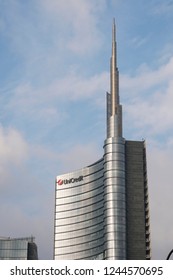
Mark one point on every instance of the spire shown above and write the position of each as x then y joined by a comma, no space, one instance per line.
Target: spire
114,109
114,72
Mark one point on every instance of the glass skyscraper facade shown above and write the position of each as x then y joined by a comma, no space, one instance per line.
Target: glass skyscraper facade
18,249
101,211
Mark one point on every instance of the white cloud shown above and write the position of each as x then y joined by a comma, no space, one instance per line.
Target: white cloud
13,155
81,18
80,87
13,147
45,105
145,78
44,38
51,25
150,99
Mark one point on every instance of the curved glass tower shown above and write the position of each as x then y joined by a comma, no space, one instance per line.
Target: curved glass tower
101,211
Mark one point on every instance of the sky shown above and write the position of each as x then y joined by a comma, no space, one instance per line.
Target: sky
54,73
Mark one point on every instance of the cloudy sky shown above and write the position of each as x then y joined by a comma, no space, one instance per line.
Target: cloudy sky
54,72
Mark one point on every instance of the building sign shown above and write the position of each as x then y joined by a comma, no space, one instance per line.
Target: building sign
69,181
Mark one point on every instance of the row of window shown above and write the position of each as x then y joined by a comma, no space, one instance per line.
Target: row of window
115,204
79,255
117,148
114,164
114,156
108,206
115,214
79,204
79,224
79,216
85,228
78,247
90,236
13,244
71,231
80,211
114,181
81,189
9,253
79,197
80,239
113,173
88,228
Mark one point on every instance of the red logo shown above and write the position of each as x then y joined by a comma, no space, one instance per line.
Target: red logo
60,182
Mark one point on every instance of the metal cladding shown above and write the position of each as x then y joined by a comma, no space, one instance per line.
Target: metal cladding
114,199
95,217
79,215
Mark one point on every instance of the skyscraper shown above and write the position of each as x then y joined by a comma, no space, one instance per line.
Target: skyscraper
101,211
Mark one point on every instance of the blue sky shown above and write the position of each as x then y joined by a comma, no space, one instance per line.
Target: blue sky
54,73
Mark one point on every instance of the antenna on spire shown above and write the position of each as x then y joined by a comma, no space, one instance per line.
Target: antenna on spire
114,72
113,31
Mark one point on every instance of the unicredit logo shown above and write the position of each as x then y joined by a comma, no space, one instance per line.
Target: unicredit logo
69,181
60,182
